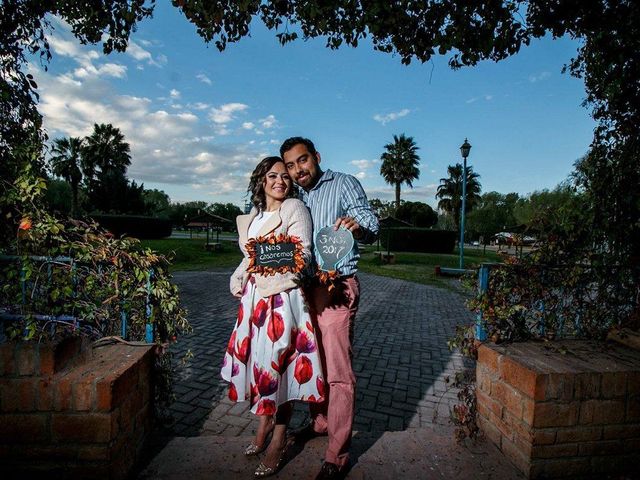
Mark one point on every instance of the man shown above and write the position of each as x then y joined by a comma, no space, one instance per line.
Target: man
334,199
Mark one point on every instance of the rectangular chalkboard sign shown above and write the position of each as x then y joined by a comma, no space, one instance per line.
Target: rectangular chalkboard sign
275,254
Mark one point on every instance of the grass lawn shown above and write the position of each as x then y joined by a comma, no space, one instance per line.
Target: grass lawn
420,267
190,254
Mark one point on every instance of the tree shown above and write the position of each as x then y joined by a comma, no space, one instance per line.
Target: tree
105,158
105,151
493,214
66,161
225,210
400,163
24,29
607,61
417,214
59,197
450,192
156,203
382,208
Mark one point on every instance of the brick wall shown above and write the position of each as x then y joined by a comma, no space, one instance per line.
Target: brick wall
562,409
71,412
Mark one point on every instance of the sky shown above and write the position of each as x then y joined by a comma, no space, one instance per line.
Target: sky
199,120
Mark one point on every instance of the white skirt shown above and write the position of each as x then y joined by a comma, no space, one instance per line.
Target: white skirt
272,355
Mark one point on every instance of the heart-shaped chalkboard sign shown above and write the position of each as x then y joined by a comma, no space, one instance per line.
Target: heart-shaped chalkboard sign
332,246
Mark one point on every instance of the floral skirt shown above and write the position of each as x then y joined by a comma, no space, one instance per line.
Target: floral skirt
272,355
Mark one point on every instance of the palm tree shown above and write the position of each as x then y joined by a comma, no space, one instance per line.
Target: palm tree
66,163
400,163
450,191
105,151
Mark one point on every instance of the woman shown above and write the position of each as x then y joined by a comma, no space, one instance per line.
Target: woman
272,355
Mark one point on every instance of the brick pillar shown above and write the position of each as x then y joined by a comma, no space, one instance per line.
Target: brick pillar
570,408
71,412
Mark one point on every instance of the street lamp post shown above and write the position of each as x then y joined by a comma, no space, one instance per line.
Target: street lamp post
465,148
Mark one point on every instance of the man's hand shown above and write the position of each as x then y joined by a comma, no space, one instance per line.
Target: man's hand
350,224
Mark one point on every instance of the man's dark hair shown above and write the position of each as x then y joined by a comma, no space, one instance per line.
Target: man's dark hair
289,143
256,184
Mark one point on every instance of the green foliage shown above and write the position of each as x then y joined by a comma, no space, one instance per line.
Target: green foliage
156,203
494,213
407,239
107,275
66,156
417,214
381,208
400,163
58,197
450,192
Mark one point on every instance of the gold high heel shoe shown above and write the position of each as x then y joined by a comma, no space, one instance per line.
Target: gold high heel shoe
254,449
264,471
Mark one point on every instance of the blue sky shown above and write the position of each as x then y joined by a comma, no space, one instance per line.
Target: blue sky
199,120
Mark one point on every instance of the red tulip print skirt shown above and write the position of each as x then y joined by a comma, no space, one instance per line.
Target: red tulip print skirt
272,355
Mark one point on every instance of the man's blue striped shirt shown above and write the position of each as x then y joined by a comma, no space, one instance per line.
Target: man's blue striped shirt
340,195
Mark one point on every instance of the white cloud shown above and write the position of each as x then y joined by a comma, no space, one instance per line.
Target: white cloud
174,93
85,57
138,53
141,55
247,125
269,121
204,79
390,117
225,113
361,175
166,147
488,98
539,77
198,106
363,164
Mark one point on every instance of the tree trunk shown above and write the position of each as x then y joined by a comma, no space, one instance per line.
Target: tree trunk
397,196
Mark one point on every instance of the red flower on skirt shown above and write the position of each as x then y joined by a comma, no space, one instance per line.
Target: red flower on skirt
242,350
260,313
275,328
266,407
303,370
231,344
266,383
240,314
304,343
284,359
233,393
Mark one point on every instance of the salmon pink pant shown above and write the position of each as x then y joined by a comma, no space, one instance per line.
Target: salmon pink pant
335,312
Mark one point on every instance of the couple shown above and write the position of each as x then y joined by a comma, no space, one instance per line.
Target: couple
289,342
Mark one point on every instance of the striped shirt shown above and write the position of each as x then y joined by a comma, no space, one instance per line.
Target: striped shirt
340,195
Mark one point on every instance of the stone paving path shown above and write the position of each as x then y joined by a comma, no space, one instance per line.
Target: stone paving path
400,357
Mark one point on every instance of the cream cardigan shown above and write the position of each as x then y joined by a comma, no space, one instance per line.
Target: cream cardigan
292,218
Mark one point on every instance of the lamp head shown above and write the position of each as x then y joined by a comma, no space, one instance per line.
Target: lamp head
465,148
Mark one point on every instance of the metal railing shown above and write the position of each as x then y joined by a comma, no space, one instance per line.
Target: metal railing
557,301
35,301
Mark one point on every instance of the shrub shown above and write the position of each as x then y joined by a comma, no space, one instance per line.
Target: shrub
407,239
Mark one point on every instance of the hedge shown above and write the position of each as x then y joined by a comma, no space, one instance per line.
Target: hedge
412,239
135,226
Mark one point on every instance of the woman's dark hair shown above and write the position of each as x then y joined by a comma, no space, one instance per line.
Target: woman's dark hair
256,184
